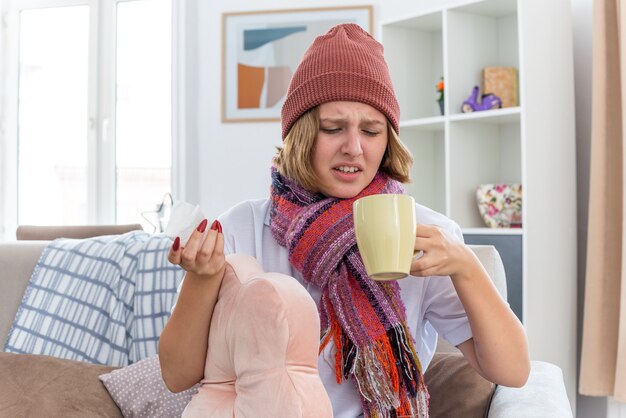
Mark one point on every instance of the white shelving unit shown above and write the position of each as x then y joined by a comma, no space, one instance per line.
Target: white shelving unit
532,144
456,152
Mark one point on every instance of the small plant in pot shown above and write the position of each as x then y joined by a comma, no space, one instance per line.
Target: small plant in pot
440,87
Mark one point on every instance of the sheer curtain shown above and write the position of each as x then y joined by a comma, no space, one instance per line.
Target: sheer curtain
603,359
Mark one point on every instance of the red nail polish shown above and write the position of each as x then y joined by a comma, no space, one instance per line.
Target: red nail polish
202,225
176,244
216,226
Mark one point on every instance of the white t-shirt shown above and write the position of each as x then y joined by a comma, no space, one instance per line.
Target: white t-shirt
432,305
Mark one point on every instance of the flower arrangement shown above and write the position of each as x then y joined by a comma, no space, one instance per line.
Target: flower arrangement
440,87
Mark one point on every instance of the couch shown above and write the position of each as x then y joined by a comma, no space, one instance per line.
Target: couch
46,386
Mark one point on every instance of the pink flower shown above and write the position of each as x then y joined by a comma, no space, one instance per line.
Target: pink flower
492,209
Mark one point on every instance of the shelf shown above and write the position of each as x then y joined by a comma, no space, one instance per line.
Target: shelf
493,8
493,231
524,144
425,22
480,153
435,123
428,174
495,116
479,35
414,52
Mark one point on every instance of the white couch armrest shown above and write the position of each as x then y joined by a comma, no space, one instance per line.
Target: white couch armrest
490,259
543,396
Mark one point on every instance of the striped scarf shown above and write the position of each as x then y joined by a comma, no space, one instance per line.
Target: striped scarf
365,319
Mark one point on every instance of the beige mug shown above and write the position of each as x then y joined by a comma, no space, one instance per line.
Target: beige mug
384,225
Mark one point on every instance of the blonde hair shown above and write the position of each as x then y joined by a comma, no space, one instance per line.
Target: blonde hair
294,159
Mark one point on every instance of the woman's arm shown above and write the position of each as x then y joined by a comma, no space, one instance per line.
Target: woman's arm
499,348
184,340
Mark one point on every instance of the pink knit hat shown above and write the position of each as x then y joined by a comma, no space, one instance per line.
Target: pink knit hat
345,64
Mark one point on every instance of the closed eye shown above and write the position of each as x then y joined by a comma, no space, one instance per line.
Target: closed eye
330,130
372,127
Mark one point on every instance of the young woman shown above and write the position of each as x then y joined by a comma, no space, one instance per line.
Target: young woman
340,132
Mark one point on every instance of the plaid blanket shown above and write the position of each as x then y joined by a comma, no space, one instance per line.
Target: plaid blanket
104,300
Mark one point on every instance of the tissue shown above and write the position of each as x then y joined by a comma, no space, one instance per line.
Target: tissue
184,218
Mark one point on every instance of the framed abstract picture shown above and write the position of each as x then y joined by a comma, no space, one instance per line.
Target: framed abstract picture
261,50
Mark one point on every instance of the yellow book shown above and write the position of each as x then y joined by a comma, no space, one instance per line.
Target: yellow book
502,81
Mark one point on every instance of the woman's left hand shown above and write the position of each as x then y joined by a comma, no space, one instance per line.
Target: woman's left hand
442,255
498,349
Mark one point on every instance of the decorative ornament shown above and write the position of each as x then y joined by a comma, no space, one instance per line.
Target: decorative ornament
487,102
500,205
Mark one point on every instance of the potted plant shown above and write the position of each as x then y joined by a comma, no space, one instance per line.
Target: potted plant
440,87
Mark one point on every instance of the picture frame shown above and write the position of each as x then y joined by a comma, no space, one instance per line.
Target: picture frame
261,50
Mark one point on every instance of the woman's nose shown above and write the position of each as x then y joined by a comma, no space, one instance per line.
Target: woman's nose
352,143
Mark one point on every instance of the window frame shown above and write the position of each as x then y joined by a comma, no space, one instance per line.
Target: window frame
101,98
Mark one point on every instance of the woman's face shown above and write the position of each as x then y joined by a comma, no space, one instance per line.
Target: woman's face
349,147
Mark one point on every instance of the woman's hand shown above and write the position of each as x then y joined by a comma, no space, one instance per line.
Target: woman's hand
442,256
205,259
498,349
184,340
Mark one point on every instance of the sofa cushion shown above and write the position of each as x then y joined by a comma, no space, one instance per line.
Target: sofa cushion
139,391
104,300
42,386
456,389
18,261
263,347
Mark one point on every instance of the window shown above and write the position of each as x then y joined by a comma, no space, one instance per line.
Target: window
52,110
143,134
85,134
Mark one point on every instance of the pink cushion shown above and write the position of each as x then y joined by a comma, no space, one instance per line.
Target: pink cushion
263,349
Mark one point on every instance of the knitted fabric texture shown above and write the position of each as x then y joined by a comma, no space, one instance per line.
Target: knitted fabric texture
365,319
345,64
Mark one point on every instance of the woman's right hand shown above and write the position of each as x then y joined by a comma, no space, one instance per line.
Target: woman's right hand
184,340
205,259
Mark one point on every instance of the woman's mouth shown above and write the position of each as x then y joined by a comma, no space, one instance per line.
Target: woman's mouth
346,169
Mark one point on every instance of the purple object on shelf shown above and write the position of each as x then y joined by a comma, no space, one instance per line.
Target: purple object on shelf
487,101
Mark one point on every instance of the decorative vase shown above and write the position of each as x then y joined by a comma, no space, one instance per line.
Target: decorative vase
500,205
